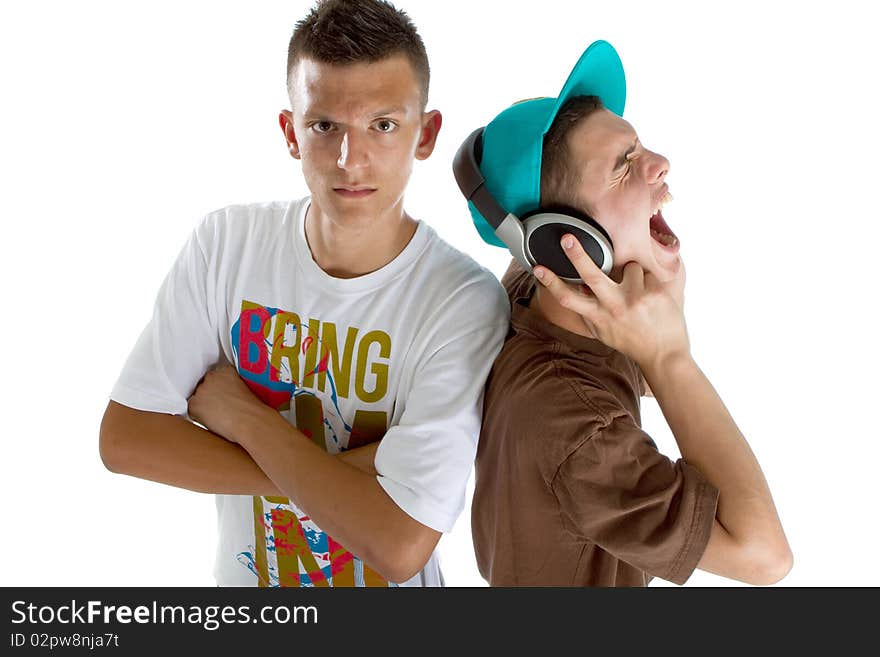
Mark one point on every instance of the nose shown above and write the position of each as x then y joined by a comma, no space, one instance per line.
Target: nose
353,152
656,167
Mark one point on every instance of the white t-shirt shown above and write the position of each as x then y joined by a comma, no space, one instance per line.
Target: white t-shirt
400,354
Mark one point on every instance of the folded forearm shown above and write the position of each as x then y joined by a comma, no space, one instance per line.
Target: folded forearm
362,458
171,450
345,500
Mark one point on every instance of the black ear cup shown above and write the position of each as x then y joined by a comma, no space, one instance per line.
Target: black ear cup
544,229
544,246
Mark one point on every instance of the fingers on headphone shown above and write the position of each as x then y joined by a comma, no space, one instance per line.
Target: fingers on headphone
589,272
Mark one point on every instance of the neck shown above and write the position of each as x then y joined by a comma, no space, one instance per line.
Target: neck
351,249
546,306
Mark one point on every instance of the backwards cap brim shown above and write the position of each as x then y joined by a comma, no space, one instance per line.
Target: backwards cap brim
599,72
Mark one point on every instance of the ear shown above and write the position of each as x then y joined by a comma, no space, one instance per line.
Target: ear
285,119
431,122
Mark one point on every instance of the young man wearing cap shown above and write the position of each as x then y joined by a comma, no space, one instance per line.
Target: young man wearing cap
341,442
569,490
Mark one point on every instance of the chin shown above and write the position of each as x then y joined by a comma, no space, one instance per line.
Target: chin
666,263
347,212
359,219
666,271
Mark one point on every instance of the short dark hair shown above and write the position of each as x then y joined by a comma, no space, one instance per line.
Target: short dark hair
558,176
355,31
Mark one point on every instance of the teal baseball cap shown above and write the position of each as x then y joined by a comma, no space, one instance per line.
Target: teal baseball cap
513,142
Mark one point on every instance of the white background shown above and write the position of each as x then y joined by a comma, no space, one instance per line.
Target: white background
123,123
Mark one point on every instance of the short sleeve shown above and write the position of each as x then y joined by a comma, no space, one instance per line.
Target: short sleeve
425,460
180,343
619,492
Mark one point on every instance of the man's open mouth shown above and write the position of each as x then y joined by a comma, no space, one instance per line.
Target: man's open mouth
660,231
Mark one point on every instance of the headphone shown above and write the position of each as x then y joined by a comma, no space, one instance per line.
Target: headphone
535,238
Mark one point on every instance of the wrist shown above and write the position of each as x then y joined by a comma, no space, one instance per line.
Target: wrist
258,421
666,366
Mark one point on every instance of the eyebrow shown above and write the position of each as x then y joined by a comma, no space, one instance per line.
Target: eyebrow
391,110
319,114
622,159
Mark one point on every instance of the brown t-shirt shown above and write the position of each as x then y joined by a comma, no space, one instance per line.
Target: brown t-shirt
569,490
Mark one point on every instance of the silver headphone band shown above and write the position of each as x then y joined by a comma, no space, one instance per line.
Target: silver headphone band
512,233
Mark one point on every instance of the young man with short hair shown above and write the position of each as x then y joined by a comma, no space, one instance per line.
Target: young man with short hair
569,490
341,441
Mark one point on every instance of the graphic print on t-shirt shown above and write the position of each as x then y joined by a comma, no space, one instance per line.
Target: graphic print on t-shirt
310,372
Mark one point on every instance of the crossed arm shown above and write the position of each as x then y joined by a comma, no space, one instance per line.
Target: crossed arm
261,454
171,450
